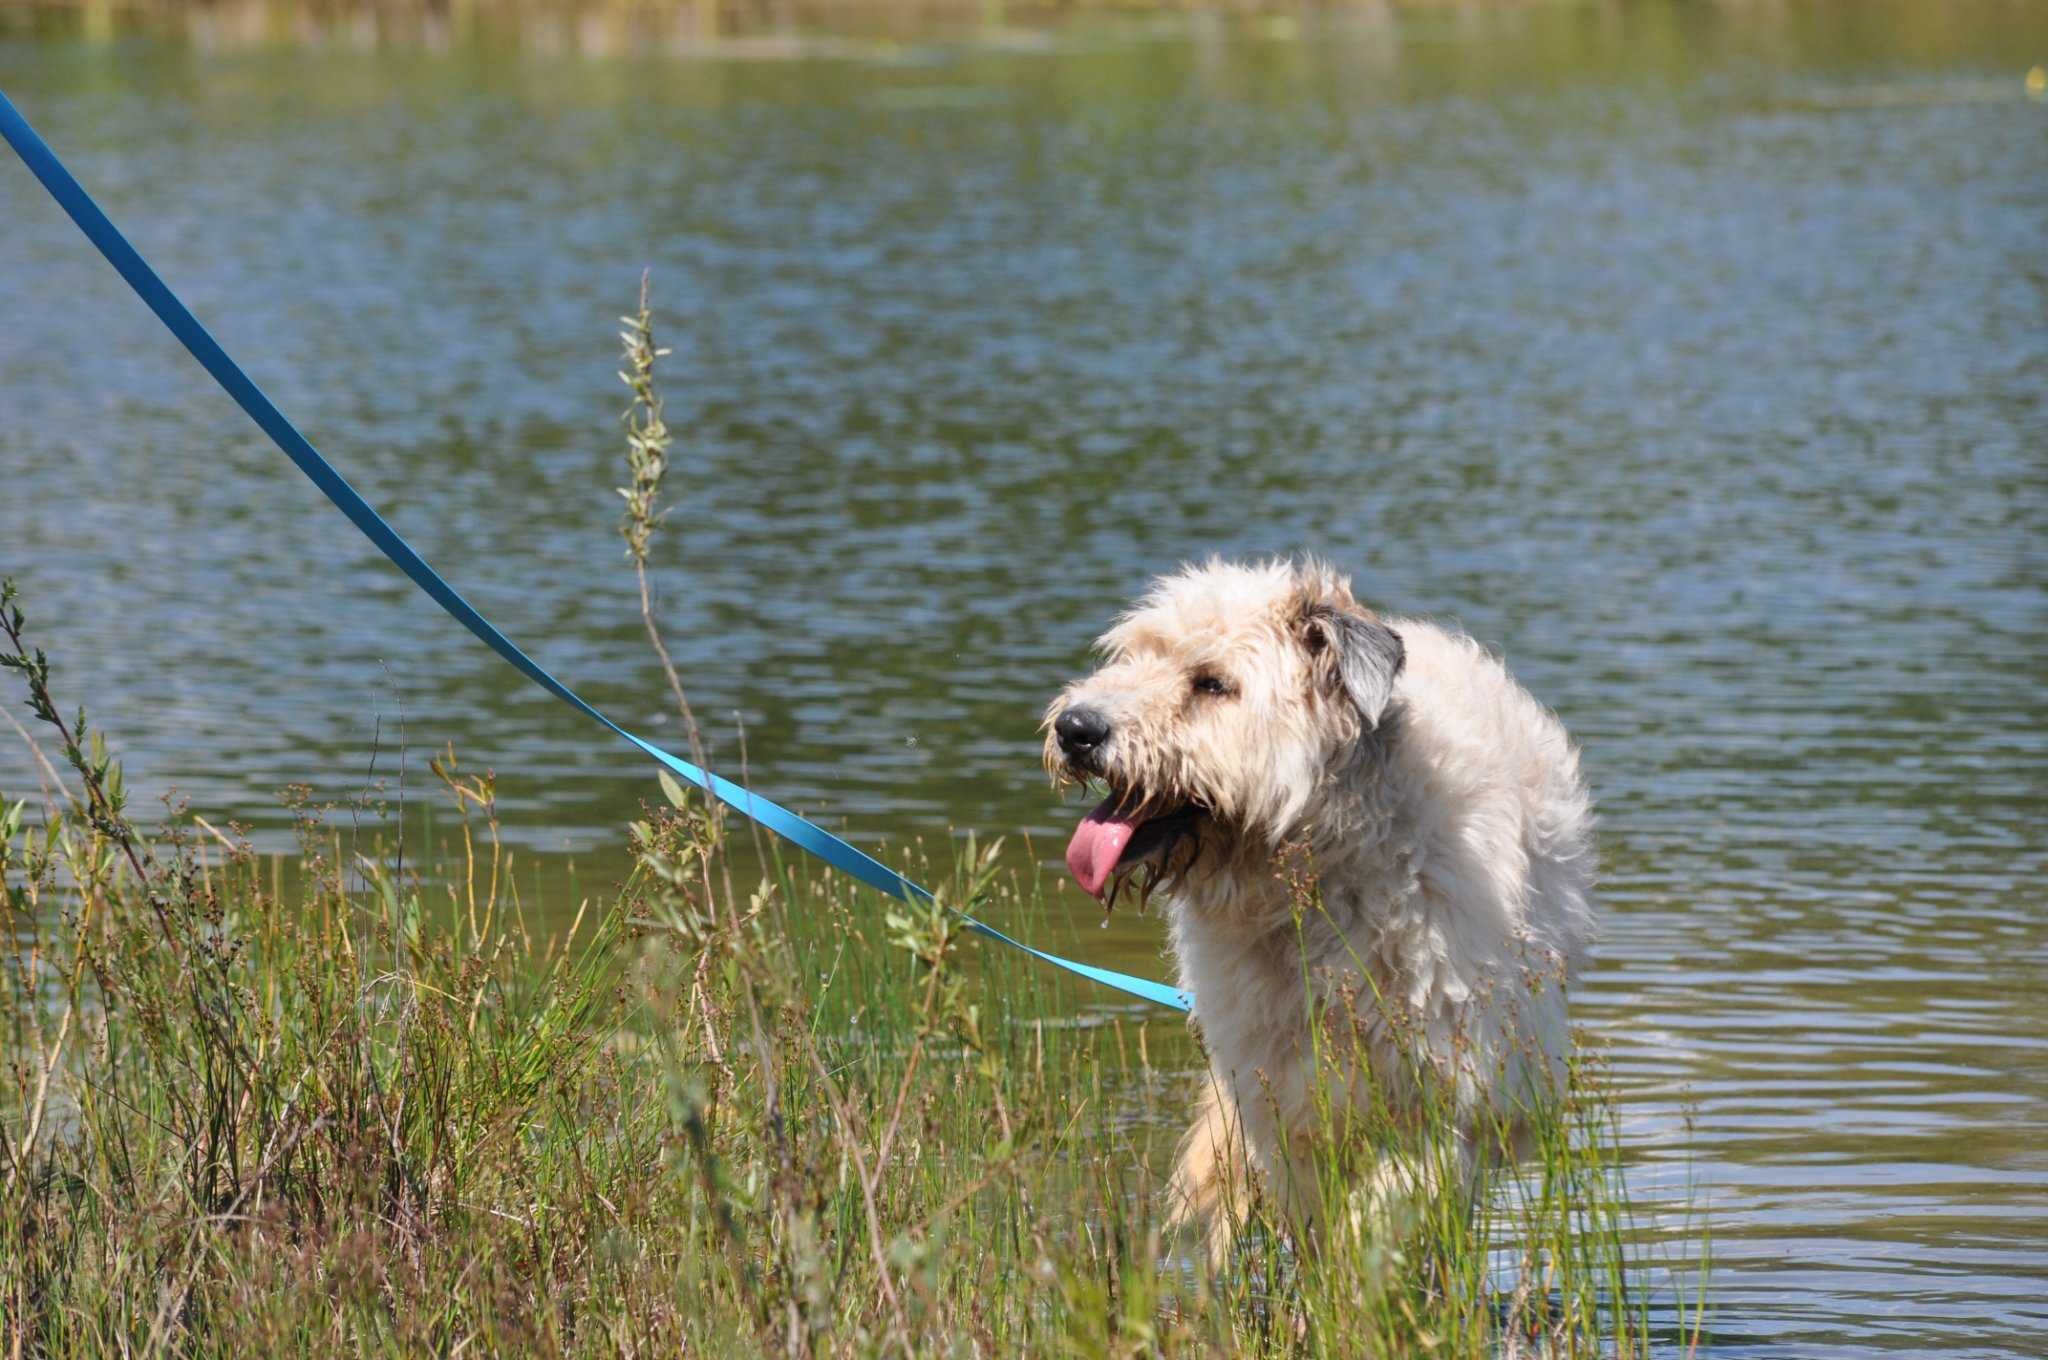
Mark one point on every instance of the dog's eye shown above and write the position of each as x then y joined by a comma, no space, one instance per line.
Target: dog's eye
1211,684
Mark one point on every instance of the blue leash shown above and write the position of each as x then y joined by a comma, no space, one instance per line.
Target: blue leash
43,162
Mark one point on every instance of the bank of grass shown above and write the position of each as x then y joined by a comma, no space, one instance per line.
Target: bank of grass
359,1106
362,1108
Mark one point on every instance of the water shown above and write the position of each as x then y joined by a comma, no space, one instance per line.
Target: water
1696,359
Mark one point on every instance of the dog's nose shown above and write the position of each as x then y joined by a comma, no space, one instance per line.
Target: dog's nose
1081,731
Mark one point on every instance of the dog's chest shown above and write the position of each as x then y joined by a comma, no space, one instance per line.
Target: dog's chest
1283,981
1262,993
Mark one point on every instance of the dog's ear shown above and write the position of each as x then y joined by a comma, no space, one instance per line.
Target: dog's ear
1361,655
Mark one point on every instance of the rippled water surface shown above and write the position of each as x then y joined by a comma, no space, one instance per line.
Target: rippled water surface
1695,358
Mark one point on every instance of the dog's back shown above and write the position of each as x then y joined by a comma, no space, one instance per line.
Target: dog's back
1498,783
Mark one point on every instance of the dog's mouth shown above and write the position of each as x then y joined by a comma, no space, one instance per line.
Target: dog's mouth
1122,834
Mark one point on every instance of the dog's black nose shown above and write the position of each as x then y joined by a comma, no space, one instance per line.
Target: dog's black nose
1081,730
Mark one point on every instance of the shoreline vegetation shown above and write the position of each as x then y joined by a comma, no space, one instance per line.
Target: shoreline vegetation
1498,39
355,1104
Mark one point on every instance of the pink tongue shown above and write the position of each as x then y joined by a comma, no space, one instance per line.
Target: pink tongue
1098,843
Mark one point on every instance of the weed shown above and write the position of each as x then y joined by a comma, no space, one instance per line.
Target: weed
359,1108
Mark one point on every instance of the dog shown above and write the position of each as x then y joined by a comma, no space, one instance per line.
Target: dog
1374,850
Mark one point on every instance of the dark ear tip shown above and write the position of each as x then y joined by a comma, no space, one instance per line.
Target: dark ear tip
1369,654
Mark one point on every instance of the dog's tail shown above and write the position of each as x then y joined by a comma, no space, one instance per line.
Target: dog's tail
1212,1184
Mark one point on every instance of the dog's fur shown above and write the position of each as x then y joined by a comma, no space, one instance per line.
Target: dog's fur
1375,819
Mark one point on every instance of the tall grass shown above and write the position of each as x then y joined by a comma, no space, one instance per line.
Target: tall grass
359,1106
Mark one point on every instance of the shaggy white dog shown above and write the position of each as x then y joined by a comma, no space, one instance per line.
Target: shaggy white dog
1375,853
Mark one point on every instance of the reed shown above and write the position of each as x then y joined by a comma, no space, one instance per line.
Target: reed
353,1103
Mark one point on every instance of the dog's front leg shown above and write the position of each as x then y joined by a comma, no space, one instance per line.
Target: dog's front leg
1211,1186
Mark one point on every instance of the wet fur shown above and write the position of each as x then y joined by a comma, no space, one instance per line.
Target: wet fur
1434,805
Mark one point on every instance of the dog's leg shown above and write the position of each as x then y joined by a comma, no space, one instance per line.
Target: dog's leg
1211,1186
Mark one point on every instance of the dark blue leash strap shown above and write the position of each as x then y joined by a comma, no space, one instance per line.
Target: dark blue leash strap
70,196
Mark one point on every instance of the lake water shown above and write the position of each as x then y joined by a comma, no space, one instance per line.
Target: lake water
1695,357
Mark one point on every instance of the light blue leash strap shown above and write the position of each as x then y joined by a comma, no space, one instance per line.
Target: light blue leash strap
43,162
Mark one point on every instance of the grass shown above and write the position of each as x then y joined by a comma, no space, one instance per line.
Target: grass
358,1106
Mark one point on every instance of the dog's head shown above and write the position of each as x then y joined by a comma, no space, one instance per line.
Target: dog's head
1225,698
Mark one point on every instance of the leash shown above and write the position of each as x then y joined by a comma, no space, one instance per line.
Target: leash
805,835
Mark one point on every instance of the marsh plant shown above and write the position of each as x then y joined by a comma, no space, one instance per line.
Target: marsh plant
353,1102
